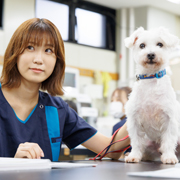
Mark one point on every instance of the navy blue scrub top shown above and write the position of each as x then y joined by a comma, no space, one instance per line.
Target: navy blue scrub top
51,122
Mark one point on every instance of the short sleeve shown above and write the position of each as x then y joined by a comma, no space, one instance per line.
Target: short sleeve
76,130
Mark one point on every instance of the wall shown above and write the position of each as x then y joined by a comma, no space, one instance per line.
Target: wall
157,17
178,26
15,12
1,42
141,17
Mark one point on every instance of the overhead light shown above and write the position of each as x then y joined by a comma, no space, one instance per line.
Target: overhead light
174,1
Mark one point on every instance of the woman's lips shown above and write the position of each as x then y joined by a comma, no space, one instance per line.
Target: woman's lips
36,70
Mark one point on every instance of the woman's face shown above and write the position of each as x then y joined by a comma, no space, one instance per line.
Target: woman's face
36,63
120,96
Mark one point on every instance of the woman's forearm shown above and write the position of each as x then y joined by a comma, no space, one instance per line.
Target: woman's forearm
99,141
119,145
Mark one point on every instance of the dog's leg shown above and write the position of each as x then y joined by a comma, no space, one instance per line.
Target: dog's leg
169,141
137,142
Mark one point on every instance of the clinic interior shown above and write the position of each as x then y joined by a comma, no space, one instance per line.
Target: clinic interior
93,32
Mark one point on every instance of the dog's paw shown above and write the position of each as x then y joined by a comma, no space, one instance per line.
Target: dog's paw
169,158
133,159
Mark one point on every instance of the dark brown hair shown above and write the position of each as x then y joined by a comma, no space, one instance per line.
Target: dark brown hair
126,89
36,30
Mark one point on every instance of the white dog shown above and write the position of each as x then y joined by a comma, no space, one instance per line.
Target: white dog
153,113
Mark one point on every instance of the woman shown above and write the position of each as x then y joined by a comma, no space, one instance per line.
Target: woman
117,106
118,100
33,123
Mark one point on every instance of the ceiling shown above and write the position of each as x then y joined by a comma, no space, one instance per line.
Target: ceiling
162,4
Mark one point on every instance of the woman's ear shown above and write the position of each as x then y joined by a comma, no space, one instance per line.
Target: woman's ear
131,40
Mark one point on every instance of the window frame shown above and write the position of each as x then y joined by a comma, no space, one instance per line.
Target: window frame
1,13
110,23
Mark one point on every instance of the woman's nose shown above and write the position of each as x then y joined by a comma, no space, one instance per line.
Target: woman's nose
38,58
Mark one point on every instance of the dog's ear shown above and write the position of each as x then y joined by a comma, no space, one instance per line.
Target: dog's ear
170,40
131,40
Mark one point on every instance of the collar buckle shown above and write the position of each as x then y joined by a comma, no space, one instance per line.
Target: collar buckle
137,78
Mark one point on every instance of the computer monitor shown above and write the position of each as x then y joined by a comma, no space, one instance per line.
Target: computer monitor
71,82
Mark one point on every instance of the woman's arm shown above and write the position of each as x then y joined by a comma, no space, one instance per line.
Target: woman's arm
98,142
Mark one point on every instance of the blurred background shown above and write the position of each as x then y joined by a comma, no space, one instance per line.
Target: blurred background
93,32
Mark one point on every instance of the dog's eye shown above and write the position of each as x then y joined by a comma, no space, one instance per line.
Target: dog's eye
160,44
142,46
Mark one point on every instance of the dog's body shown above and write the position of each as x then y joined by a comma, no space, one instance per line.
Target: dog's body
153,113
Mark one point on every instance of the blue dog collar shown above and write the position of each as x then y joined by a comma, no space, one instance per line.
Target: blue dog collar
158,75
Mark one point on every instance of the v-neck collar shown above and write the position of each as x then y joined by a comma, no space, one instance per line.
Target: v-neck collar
5,100
27,117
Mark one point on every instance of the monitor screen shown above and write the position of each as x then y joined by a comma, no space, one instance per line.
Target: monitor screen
70,79
71,82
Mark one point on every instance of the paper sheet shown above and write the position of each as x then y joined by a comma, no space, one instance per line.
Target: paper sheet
55,165
7,164
173,172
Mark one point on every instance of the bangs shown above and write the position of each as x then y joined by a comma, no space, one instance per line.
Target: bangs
38,33
39,37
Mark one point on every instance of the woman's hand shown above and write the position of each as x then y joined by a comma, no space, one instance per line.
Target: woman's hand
29,150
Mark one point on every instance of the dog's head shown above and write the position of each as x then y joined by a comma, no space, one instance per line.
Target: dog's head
151,48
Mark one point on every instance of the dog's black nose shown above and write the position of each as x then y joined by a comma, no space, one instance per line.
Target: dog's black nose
151,56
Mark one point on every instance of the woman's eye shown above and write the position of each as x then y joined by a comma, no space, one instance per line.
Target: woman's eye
142,46
30,47
49,50
160,44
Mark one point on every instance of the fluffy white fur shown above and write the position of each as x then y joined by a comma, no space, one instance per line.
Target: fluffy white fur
153,113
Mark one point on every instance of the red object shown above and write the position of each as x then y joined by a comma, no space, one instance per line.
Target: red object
107,148
120,56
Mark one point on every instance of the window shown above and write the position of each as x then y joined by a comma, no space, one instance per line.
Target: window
90,28
80,21
57,13
1,13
